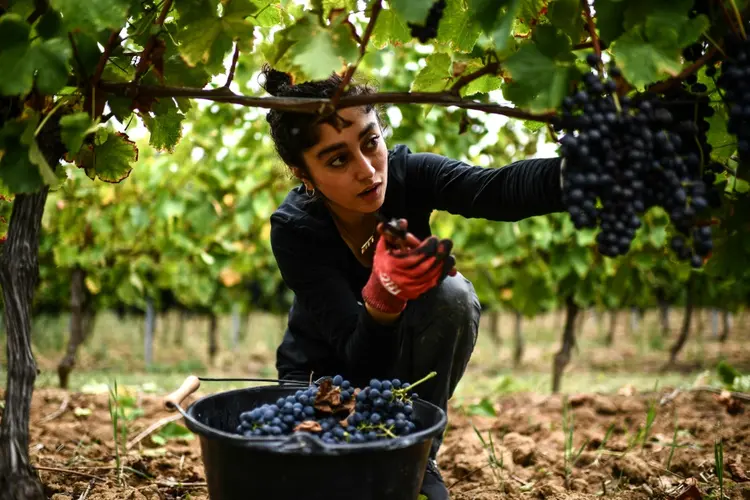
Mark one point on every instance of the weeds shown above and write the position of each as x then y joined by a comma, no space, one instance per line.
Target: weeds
719,465
570,456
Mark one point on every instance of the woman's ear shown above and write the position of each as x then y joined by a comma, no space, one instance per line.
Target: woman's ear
299,174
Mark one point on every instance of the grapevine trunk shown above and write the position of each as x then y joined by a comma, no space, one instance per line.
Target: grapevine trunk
19,270
562,358
79,325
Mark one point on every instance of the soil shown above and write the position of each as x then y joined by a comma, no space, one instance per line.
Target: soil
72,446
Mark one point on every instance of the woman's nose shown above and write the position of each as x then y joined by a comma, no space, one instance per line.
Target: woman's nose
365,169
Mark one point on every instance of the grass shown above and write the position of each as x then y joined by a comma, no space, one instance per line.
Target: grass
115,351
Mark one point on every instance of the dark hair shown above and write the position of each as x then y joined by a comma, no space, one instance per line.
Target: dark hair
292,132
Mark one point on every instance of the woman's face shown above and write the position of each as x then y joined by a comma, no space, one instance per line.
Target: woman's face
350,167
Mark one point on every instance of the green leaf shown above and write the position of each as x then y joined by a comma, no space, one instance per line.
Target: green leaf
502,33
165,128
14,45
539,82
486,12
319,51
94,16
74,128
268,15
389,29
531,9
20,59
610,19
482,85
565,15
484,409
49,59
435,76
642,62
457,28
412,11
17,172
197,40
553,43
111,160
50,24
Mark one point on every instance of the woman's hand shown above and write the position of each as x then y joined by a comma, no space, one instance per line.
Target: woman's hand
405,272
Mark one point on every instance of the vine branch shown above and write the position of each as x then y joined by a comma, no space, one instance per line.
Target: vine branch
233,67
489,69
592,29
376,8
104,58
40,8
145,60
318,105
693,68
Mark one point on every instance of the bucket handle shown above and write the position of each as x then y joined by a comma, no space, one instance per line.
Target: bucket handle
191,384
174,400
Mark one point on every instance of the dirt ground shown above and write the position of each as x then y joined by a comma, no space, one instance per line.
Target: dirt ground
72,446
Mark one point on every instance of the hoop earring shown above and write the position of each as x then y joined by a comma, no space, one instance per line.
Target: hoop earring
308,193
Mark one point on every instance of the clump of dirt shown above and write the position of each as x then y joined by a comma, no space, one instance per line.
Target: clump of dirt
613,454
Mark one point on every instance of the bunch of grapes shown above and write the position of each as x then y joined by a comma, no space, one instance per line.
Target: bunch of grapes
429,30
337,412
735,82
630,155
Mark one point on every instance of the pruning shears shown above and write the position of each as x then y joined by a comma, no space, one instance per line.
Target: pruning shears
401,236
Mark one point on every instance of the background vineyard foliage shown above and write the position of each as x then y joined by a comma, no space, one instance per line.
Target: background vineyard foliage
186,223
190,225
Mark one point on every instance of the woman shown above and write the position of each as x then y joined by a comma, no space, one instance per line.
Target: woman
361,308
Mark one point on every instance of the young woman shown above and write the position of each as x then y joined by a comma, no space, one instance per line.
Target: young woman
363,309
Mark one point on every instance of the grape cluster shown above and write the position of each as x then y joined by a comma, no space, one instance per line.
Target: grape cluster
695,51
625,156
735,83
429,30
337,412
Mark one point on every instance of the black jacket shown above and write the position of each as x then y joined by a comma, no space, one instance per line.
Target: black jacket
329,331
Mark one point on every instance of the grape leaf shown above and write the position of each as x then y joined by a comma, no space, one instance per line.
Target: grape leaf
553,43
74,128
610,19
482,85
49,59
17,172
268,15
566,16
111,160
435,76
20,59
165,127
319,51
412,11
642,62
389,29
50,24
486,12
531,9
539,82
457,28
502,33
94,16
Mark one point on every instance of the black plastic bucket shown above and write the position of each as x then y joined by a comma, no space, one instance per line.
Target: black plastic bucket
301,466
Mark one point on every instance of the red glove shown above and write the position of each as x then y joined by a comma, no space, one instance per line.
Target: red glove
402,274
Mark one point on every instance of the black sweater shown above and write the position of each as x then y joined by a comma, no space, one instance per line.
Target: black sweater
329,330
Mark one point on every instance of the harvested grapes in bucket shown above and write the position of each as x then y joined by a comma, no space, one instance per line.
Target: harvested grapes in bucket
339,413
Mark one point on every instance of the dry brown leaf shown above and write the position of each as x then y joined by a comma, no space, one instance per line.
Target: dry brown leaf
309,426
689,491
737,472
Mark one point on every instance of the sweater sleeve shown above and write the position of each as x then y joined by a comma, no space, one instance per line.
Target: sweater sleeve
324,293
525,188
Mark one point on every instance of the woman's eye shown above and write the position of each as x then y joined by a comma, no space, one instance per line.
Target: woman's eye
374,141
337,161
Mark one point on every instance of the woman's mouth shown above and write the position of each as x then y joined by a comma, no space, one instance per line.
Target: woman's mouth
371,192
